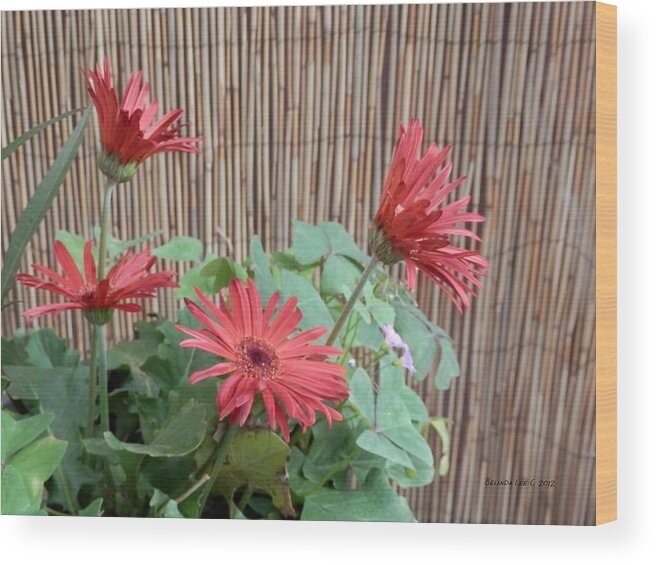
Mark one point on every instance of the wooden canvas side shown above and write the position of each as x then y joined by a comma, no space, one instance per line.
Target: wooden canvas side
606,262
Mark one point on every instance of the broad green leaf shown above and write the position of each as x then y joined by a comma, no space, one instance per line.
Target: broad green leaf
310,243
13,350
299,484
263,278
171,475
224,271
257,459
421,475
330,447
47,350
448,368
337,272
180,248
36,463
39,204
382,312
362,394
164,506
369,335
133,353
183,433
364,462
409,438
117,247
315,312
341,242
94,509
16,498
418,336
393,421
378,444
21,140
16,434
376,501
414,404
63,392
192,279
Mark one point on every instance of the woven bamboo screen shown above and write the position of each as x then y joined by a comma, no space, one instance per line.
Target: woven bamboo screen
299,109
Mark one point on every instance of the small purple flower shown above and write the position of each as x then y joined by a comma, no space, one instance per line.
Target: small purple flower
393,340
352,363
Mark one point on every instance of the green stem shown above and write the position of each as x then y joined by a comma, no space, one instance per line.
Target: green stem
104,229
186,494
220,457
102,379
352,301
99,331
244,499
93,380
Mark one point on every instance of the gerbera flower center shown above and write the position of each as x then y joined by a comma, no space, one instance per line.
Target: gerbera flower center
258,358
87,293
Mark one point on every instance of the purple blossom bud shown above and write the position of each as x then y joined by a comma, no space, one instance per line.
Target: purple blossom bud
393,340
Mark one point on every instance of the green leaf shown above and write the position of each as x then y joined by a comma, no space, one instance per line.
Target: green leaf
16,499
13,350
117,247
224,271
369,335
47,350
21,140
16,434
180,248
257,459
376,501
419,338
414,404
263,278
378,444
63,392
337,272
441,427
422,474
362,394
330,447
180,435
36,463
165,506
448,368
192,279
310,243
39,204
315,311
94,509
341,242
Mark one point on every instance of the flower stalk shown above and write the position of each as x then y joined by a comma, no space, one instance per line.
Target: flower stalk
104,228
93,381
219,459
352,301
99,329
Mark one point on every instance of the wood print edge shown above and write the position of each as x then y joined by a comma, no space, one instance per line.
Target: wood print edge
606,262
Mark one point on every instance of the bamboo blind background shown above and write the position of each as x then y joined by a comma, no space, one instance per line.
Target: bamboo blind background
299,109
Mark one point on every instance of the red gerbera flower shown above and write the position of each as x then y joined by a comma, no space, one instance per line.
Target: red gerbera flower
414,225
127,131
291,375
128,278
